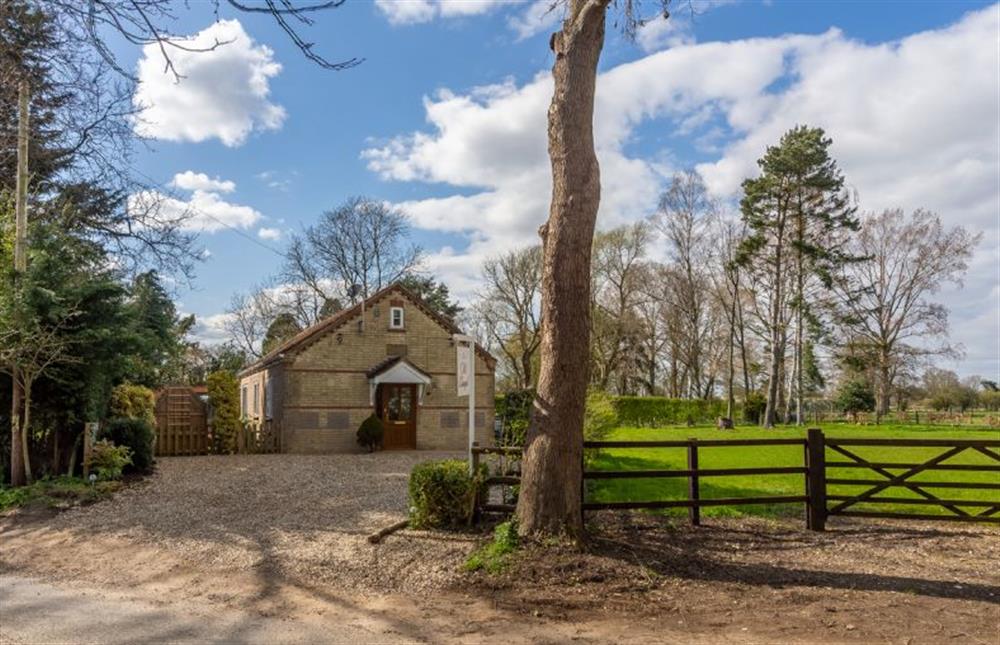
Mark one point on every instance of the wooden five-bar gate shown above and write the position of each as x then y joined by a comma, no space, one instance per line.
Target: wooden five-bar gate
819,504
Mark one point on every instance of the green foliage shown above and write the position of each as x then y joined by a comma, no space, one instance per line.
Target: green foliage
855,396
495,556
434,294
136,434
656,411
990,400
158,332
513,410
130,401
443,493
224,396
56,492
371,433
108,460
282,328
753,407
600,416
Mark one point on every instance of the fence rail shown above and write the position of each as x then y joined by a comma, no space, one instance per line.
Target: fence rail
819,504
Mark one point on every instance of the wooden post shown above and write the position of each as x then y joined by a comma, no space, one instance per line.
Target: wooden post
694,512
89,433
815,480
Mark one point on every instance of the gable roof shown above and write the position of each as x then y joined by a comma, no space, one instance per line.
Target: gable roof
311,334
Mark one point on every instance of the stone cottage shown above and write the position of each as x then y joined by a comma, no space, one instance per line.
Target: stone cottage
390,355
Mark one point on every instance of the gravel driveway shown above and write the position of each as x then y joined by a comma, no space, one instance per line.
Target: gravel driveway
300,517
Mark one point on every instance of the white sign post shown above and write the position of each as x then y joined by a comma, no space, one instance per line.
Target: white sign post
465,373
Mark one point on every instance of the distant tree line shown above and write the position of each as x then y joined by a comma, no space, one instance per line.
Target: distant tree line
794,298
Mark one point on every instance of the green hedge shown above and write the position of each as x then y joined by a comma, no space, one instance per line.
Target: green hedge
655,411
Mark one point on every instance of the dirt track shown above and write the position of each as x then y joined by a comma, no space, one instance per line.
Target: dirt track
254,540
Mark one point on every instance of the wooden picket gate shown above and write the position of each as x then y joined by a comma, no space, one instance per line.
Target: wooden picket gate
181,422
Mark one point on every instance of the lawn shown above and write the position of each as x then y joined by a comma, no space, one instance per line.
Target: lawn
765,456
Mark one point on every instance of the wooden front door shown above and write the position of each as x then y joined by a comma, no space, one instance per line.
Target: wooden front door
397,407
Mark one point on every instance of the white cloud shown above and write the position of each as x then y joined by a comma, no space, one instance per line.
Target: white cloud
211,330
202,212
914,124
191,180
540,16
404,12
223,93
266,233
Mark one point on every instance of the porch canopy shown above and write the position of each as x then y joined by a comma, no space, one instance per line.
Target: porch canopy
396,369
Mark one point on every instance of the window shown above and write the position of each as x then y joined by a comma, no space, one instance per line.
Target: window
396,318
243,401
256,398
268,393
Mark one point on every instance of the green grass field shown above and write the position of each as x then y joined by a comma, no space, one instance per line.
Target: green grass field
765,456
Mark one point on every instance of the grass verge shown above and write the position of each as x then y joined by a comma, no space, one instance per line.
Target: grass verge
494,556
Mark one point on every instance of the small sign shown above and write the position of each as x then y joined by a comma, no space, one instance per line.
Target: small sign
464,368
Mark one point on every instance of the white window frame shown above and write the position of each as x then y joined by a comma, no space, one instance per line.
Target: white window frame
268,392
392,318
244,402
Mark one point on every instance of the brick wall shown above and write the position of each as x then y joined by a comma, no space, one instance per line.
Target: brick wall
326,396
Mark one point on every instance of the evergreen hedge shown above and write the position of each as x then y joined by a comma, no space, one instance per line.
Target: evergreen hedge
442,493
655,411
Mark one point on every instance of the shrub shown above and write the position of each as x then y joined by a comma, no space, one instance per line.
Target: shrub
513,410
753,407
224,396
136,434
855,396
371,432
494,556
107,460
130,401
443,493
599,417
655,411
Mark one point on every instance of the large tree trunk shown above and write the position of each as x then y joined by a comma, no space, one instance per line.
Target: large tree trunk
552,473
17,463
884,386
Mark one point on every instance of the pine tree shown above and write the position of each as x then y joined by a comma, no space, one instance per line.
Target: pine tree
797,215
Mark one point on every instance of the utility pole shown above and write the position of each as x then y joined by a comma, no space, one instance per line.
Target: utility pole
17,446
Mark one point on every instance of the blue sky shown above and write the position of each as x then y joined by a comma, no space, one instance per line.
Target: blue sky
445,117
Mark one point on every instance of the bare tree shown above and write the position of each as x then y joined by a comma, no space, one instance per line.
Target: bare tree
683,217
363,242
508,310
616,291
28,350
885,298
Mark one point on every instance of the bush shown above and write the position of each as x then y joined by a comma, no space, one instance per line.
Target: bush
656,411
138,436
131,401
599,417
224,397
855,396
513,410
443,493
753,407
370,433
107,460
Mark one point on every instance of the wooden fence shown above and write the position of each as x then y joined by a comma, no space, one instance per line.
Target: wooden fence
259,438
181,422
818,504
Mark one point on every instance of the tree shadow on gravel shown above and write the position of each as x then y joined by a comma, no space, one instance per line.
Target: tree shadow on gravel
759,556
